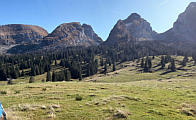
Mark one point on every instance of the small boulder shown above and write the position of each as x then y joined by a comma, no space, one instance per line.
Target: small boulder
121,114
43,107
56,106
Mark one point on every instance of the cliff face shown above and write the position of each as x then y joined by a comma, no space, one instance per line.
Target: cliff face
183,33
19,34
73,34
185,25
133,28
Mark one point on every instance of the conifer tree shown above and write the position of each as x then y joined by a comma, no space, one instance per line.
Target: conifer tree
105,68
22,73
3,76
114,66
54,77
67,75
162,62
101,62
48,77
142,63
185,60
172,66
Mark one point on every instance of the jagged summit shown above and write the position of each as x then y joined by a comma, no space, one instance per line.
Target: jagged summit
19,33
183,33
73,34
192,4
133,16
135,26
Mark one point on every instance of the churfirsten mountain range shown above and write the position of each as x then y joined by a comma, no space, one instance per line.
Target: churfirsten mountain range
134,28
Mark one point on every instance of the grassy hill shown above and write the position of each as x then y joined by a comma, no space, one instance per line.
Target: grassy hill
127,93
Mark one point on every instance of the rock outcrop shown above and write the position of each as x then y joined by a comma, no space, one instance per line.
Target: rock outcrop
19,34
183,33
133,28
73,34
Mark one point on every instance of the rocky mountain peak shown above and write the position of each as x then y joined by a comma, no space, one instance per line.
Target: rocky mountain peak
88,30
73,34
19,33
132,17
185,26
134,26
192,5
182,35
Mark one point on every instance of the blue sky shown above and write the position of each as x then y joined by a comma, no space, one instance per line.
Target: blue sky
102,15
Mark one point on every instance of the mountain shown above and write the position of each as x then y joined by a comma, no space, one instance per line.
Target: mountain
133,28
19,34
183,33
72,34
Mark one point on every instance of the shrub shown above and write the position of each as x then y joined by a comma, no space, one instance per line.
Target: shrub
3,92
78,97
44,89
31,80
17,91
10,82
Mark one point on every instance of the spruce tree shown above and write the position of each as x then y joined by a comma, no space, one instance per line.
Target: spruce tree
114,66
3,76
48,77
142,63
185,60
67,75
22,73
105,68
162,62
101,62
54,77
173,66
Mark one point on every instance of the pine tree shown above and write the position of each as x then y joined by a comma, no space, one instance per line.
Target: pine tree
33,72
3,76
80,72
142,63
147,64
22,73
48,77
185,60
80,76
101,62
54,77
162,62
55,62
67,75
105,68
114,66
173,66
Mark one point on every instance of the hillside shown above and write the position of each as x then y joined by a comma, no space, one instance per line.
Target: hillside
126,93
19,34
65,35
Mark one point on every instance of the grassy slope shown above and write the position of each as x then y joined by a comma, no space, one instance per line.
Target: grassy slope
150,98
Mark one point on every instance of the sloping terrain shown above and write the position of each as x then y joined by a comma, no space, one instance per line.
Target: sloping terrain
127,93
19,34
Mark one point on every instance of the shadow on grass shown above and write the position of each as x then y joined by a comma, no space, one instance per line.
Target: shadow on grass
164,73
